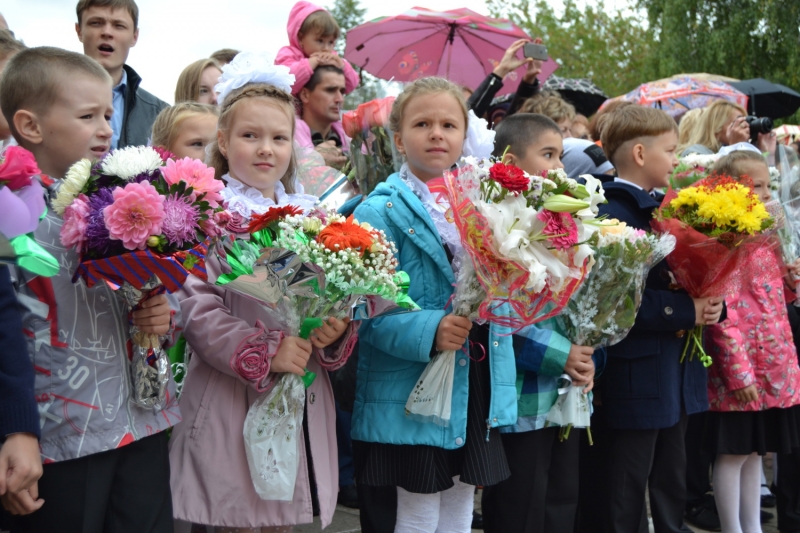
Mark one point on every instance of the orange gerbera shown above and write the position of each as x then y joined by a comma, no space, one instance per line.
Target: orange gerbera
272,215
347,234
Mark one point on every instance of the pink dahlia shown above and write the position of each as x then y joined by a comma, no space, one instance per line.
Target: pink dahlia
136,214
197,176
180,220
76,220
559,228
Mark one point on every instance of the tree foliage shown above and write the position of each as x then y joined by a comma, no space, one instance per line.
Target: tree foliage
737,38
610,49
349,14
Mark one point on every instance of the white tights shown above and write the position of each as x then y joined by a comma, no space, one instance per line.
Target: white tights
449,511
737,491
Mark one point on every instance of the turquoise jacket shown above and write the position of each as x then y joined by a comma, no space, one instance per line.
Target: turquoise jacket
395,348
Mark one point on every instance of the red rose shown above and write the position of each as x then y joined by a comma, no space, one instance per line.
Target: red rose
509,177
17,168
352,123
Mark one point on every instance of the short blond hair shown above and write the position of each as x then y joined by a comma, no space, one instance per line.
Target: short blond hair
261,91
168,122
422,86
550,105
730,165
319,22
188,87
32,79
129,5
633,122
711,123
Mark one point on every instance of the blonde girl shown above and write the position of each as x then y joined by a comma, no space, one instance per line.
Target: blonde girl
239,349
197,81
434,468
186,129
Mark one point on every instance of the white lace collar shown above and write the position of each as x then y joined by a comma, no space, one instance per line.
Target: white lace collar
436,208
246,200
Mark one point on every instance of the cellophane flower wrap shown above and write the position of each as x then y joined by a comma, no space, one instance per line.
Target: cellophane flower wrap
523,240
785,209
22,207
140,221
718,223
602,311
301,269
372,157
691,169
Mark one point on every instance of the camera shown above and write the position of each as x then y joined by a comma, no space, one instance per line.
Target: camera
758,125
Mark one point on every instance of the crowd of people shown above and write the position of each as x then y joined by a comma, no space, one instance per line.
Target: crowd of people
78,456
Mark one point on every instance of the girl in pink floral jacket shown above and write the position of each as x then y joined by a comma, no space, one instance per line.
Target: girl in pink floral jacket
754,382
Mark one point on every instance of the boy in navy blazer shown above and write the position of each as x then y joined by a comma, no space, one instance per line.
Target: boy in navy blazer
645,390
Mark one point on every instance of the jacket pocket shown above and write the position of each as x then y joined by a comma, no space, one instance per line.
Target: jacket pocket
205,401
633,378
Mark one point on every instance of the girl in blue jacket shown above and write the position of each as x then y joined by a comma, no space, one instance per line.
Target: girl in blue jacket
434,468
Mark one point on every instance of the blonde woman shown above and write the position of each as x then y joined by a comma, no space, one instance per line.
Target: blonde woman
196,82
723,123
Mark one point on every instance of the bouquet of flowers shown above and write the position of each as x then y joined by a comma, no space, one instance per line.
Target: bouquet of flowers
603,310
691,169
302,269
372,157
523,241
717,222
140,221
22,205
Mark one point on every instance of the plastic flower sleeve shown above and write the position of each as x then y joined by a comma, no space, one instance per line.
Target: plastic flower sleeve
432,396
573,408
786,211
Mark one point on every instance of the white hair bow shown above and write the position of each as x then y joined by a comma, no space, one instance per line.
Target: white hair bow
252,67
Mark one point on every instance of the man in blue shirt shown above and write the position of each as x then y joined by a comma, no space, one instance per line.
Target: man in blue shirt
108,30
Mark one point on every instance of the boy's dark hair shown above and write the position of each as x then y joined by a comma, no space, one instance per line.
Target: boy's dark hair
130,5
632,122
729,165
224,56
520,131
32,79
316,78
9,44
319,22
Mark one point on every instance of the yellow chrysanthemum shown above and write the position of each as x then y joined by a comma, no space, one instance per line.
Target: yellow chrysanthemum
728,205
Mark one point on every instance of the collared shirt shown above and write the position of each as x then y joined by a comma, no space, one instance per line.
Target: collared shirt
620,180
119,108
318,139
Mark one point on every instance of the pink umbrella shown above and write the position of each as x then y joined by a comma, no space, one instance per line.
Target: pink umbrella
459,45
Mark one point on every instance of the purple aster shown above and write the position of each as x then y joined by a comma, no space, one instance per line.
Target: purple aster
96,232
180,223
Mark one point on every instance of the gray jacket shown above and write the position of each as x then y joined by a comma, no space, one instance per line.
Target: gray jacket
141,110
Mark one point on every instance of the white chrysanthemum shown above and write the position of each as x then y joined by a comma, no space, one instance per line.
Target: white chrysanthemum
129,162
72,185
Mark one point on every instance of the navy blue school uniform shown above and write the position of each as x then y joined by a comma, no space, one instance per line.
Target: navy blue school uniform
644,385
647,393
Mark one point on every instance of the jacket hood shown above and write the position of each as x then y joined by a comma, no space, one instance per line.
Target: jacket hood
297,16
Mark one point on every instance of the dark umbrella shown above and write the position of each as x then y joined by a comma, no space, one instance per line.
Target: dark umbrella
767,99
580,92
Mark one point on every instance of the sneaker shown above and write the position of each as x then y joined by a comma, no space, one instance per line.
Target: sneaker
348,497
477,520
704,516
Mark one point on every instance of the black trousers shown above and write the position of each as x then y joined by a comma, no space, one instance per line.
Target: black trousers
642,458
119,491
698,461
378,508
788,491
542,492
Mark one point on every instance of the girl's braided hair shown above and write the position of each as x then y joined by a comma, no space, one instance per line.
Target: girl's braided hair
252,90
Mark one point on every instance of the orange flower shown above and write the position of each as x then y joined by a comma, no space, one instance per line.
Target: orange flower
347,234
352,122
272,215
376,112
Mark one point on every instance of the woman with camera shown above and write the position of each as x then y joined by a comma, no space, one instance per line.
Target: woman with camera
724,123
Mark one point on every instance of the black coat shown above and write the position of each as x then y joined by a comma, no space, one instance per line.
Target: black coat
644,385
141,110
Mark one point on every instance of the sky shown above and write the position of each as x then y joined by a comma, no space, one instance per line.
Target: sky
174,33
